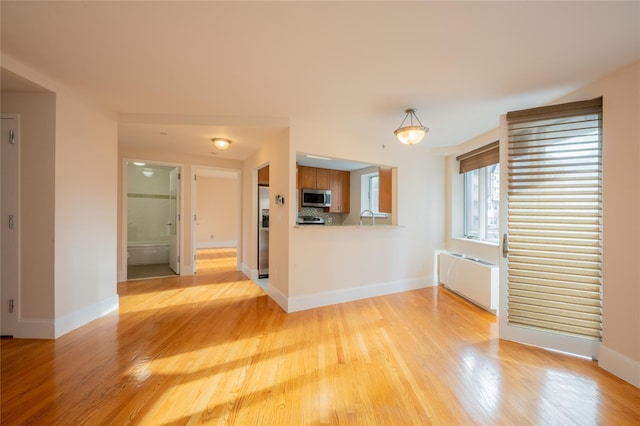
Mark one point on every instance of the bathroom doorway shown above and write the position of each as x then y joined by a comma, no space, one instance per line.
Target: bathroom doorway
153,231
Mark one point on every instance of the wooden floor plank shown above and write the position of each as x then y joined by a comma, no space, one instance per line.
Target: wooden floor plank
215,349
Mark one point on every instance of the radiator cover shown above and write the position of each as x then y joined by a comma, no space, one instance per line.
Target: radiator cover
473,279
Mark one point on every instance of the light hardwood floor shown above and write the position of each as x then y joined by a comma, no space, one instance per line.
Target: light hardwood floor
215,349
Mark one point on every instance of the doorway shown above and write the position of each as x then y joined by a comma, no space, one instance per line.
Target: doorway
263,227
152,211
216,204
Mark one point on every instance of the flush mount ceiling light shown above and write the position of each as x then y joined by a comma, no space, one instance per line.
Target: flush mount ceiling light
221,143
147,172
412,133
317,157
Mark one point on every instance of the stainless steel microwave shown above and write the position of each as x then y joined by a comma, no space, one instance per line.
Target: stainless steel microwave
316,197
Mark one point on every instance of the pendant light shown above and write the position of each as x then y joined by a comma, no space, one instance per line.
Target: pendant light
412,133
221,143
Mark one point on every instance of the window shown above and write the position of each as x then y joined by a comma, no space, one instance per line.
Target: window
482,198
481,193
554,261
370,190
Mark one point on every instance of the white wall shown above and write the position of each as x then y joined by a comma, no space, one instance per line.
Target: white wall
218,213
37,203
334,264
84,217
620,350
276,154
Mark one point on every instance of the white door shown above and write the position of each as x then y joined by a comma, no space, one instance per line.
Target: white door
10,158
174,220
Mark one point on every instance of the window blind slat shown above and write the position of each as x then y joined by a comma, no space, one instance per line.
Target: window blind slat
554,277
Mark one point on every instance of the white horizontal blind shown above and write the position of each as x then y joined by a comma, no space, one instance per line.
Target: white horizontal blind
555,219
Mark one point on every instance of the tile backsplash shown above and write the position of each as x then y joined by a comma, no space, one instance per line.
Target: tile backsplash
329,218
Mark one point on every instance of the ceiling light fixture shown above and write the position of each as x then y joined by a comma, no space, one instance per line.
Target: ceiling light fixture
221,143
147,172
139,163
317,157
412,133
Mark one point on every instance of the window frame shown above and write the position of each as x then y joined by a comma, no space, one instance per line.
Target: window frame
484,189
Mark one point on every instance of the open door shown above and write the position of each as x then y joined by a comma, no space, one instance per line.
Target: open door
174,220
9,157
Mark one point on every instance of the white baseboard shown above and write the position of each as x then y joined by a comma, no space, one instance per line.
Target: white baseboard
219,244
84,315
277,296
251,273
620,365
315,300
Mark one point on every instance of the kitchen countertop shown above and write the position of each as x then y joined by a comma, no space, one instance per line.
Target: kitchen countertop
331,226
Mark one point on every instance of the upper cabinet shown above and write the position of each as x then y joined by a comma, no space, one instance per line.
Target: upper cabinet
263,176
384,190
340,185
312,177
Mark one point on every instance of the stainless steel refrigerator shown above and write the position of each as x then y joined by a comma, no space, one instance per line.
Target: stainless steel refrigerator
263,231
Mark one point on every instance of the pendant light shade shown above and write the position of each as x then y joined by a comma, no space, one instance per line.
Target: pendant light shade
221,143
412,133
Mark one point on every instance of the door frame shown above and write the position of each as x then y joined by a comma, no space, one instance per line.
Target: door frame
10,321
194,211
124,213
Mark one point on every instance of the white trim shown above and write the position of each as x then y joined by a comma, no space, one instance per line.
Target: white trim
620,365
545,339
475,241
85,315
219,244
251,273
277,296
315,300
52,329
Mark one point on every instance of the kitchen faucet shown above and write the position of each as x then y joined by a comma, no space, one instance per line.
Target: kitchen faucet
373,216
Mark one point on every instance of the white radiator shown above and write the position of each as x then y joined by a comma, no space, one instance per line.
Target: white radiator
474,279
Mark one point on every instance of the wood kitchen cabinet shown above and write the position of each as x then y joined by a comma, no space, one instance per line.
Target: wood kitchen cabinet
322,179
384,190
313,177
340,186
263,176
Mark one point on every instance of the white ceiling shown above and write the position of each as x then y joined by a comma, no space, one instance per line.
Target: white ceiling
244,70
